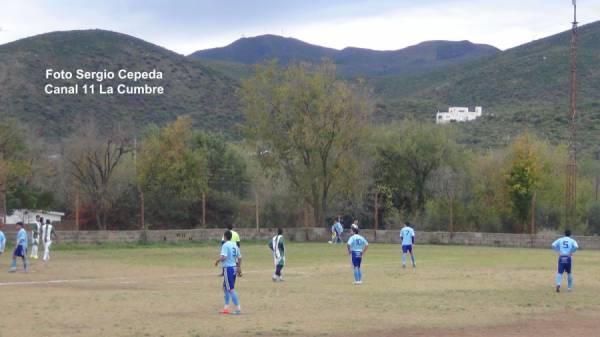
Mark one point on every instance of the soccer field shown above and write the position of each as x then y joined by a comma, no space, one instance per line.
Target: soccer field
175,291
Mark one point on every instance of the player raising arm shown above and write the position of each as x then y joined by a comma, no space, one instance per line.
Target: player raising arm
357,247
230,258
565,247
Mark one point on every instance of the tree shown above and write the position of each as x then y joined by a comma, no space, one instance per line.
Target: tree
522,180
93,160
226,169
172,169
446,183
308,125
13,165
407,155
593,215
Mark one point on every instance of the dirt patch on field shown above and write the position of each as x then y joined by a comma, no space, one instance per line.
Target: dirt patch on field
558,324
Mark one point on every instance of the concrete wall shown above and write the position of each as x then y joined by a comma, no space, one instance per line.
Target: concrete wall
316,234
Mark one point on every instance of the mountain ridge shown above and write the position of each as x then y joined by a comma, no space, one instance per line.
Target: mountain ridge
351,61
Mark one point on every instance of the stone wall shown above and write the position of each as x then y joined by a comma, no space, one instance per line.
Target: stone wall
316,234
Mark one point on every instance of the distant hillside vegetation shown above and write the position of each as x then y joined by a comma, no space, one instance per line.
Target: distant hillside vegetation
190,87
351,61
527,86
523,87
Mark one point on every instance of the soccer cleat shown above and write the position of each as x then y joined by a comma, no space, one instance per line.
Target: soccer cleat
236,312
403,266
224,312
280,278
358,282
12,270
557,289
569,289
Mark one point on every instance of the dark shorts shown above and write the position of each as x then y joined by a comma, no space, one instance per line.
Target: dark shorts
406,248
229,278
356,259
20,251
564,264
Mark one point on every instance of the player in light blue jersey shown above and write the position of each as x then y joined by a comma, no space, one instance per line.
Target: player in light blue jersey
565,247
20,248
231,262
407,235
2,242
338,230
357,247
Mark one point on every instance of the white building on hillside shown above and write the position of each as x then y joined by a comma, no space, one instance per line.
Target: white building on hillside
457,114
27,216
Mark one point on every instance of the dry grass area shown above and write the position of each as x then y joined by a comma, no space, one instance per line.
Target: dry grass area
175,291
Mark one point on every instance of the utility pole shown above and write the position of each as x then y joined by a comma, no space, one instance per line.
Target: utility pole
203,209
532,226
376,215
77,200
256,211
597,184
571,185
139,187
3,203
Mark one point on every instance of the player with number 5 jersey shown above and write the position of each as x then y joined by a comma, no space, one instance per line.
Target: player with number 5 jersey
565,247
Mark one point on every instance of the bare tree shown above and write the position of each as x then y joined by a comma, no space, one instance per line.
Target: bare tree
446,183
93,159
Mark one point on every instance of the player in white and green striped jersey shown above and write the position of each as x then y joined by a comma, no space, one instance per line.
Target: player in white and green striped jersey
277,246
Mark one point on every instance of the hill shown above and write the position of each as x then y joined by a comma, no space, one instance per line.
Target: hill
190,86
523,87
526,86
350,61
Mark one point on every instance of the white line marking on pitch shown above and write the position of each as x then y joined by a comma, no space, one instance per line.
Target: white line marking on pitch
123,280
129,280
60,281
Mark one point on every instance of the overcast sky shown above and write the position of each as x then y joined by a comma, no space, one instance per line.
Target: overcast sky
189,25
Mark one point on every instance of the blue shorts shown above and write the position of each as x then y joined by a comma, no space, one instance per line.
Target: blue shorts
20,251
356,259
229,278
406,248
564,264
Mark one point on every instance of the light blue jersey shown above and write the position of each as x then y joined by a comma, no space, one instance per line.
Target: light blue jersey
22,238
565,246
357,243
407,234
338,227
2,242
231,252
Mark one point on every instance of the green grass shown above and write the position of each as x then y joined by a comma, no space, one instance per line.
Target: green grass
154,290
